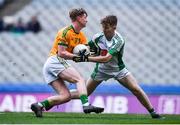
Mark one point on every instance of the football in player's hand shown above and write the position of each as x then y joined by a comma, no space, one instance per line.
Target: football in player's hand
81,48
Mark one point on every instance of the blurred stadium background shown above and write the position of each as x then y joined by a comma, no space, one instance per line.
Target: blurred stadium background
150,27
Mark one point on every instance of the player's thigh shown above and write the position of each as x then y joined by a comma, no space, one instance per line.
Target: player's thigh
52,67
71,75
129,82
60,87
91,85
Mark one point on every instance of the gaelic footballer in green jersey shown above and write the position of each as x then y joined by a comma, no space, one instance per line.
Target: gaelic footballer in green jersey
109,46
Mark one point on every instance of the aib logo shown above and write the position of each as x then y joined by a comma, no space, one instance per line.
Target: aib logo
169,104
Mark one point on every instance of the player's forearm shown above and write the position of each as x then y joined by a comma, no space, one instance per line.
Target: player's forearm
101,59
66,55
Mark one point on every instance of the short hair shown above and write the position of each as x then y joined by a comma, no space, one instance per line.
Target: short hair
74,13
109,20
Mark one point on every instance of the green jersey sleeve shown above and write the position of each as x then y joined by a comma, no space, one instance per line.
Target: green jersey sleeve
118,46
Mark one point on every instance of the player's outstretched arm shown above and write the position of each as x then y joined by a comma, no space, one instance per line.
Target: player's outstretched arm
87,58
101,59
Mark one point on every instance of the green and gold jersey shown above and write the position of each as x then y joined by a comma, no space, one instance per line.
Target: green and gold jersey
69,38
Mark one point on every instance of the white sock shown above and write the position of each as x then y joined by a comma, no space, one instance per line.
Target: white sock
40,104
86,104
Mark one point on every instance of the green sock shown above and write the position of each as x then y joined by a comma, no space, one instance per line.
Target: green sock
84,100
45,104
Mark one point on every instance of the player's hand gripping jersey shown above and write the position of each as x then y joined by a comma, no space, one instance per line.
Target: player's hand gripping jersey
69,38
115,47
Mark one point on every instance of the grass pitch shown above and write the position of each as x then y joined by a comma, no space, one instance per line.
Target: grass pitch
80,118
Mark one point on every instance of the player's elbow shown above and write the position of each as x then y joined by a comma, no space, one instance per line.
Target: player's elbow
62,54
106,58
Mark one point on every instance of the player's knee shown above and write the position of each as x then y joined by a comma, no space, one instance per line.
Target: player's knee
67,97
74,80
78,80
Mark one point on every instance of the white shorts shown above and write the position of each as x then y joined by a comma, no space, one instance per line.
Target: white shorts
52,67
100,76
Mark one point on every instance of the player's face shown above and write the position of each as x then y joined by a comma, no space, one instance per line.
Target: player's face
82,20
109,31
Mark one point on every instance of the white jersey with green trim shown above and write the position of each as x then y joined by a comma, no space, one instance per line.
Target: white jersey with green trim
115,47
